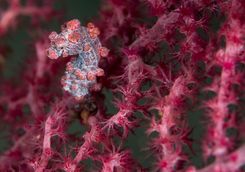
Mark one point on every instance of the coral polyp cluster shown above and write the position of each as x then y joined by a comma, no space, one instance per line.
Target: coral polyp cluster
81,71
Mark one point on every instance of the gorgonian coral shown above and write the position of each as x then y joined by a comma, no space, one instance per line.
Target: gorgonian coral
168,96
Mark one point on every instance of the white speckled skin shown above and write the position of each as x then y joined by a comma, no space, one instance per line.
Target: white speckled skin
85,63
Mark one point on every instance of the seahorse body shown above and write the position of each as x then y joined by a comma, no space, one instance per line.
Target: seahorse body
81,72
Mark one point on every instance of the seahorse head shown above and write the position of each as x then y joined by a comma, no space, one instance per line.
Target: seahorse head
68,42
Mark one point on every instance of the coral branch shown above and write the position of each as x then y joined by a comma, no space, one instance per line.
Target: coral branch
8,18
164,24
231,162
227,58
